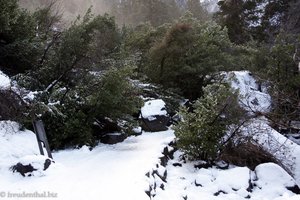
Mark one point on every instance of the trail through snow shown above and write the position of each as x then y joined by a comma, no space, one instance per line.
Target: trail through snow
108,172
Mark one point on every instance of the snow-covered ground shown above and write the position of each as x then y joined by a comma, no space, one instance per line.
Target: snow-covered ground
107,172
184,181
113,172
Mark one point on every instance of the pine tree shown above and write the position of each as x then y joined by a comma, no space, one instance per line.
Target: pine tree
188,52
17,32
231,16
252,19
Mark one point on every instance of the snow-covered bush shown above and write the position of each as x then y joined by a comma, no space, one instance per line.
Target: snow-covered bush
69,122
201,132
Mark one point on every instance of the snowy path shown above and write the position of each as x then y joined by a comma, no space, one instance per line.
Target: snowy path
109,172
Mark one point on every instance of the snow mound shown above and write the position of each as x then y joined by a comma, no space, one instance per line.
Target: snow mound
37,163
266,172
153,108
15,144
4,81
253,97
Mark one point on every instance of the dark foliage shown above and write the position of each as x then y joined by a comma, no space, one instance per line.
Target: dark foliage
247,154
12,106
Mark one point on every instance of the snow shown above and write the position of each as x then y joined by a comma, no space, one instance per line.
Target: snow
15,144
107,172
31,95
278,145
269,180
217,184
265,174
258,128
250,97
152,108
4,81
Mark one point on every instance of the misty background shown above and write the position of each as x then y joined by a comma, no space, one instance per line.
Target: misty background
70,9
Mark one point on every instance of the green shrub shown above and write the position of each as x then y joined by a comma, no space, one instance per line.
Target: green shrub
73,129
200,132
114,96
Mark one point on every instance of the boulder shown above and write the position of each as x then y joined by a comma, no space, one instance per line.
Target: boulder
154,116
137,131
24,170
113,138
265,176
155,123
30,165
104,126
107,131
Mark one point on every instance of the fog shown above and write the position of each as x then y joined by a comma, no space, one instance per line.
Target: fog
70,8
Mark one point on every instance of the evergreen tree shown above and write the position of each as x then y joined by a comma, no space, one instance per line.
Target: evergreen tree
231,16
273,19
188,52
78,72
17,32
252,19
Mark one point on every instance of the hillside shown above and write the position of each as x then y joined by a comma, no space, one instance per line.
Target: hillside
134,169
159,99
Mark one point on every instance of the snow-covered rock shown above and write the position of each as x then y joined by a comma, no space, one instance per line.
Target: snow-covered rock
15,144
154,116
253,97
153,108
113,138
4,81
32,165
271,174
